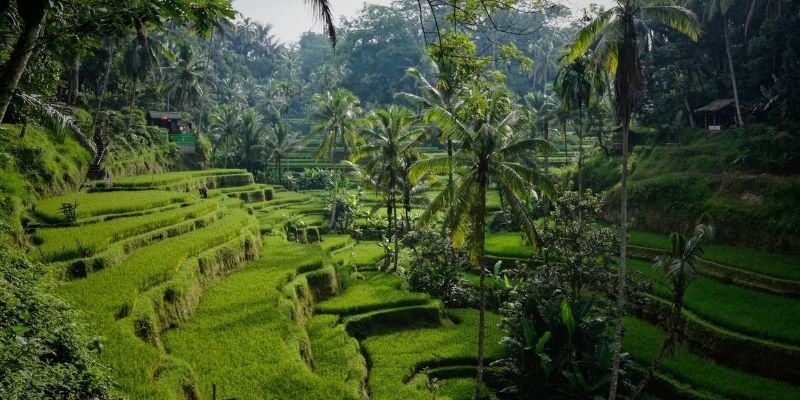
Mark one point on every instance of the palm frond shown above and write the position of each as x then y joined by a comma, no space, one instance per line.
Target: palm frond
521,148
53,119
429,166
678,18
588,35
322,10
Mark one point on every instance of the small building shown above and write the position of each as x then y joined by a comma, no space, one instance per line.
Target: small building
719,114
180,133
169,120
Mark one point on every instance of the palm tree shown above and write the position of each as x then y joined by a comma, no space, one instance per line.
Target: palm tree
110,47
184,78
575,84
250,138
224,123
281,142
721,8
541,109
680,268
139,61
391,137
220,25
613,35
544,67
335,117
489,153
443,96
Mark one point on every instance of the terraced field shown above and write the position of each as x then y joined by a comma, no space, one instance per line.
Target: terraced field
740,325
194,298
200,297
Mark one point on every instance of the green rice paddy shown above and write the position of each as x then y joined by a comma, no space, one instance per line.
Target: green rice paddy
317,321
104,203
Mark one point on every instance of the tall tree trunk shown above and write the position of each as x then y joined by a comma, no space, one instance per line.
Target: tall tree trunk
450,161
740,121
33,13
564,128
407,209
480,230
688,112
579,131
669,340
389,201
133,104
623,249
103,88
396,236
334,206
74,82
200,118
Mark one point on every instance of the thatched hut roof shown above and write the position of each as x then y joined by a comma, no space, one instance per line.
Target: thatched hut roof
164,114
716,105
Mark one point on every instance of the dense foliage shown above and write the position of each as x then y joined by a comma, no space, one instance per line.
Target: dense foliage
43,354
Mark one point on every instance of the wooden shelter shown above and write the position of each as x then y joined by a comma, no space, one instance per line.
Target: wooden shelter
180,133
169,120
718,115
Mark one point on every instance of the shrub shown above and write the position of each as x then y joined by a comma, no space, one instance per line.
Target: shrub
556,349
43,354
437,268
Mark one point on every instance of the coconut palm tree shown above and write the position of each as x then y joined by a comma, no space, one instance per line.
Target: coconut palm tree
541,109
280,143
139,61
612,34
443,96
575,83
680,269
335,117
489,153
391,137
720,8
545,67
184,77
224,123
250,138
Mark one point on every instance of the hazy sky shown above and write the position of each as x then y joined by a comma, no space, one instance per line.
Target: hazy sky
290,18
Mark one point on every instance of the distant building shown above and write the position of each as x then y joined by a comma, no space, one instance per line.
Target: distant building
169,120
719,114
180,133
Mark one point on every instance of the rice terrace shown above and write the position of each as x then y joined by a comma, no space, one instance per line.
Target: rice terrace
399,199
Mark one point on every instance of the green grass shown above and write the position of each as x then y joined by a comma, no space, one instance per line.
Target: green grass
336,355
739,309
642,340
243,337
335,242
507,244
459,389
102,296
80,241
395,357
104,203
167,178
364,255
377,290
785,266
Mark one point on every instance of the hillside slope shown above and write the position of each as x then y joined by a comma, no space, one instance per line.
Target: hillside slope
746,180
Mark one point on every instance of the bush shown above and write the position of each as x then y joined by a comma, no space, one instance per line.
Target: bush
556,349
42,352
437,268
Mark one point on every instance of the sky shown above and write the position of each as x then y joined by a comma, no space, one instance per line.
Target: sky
290,18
